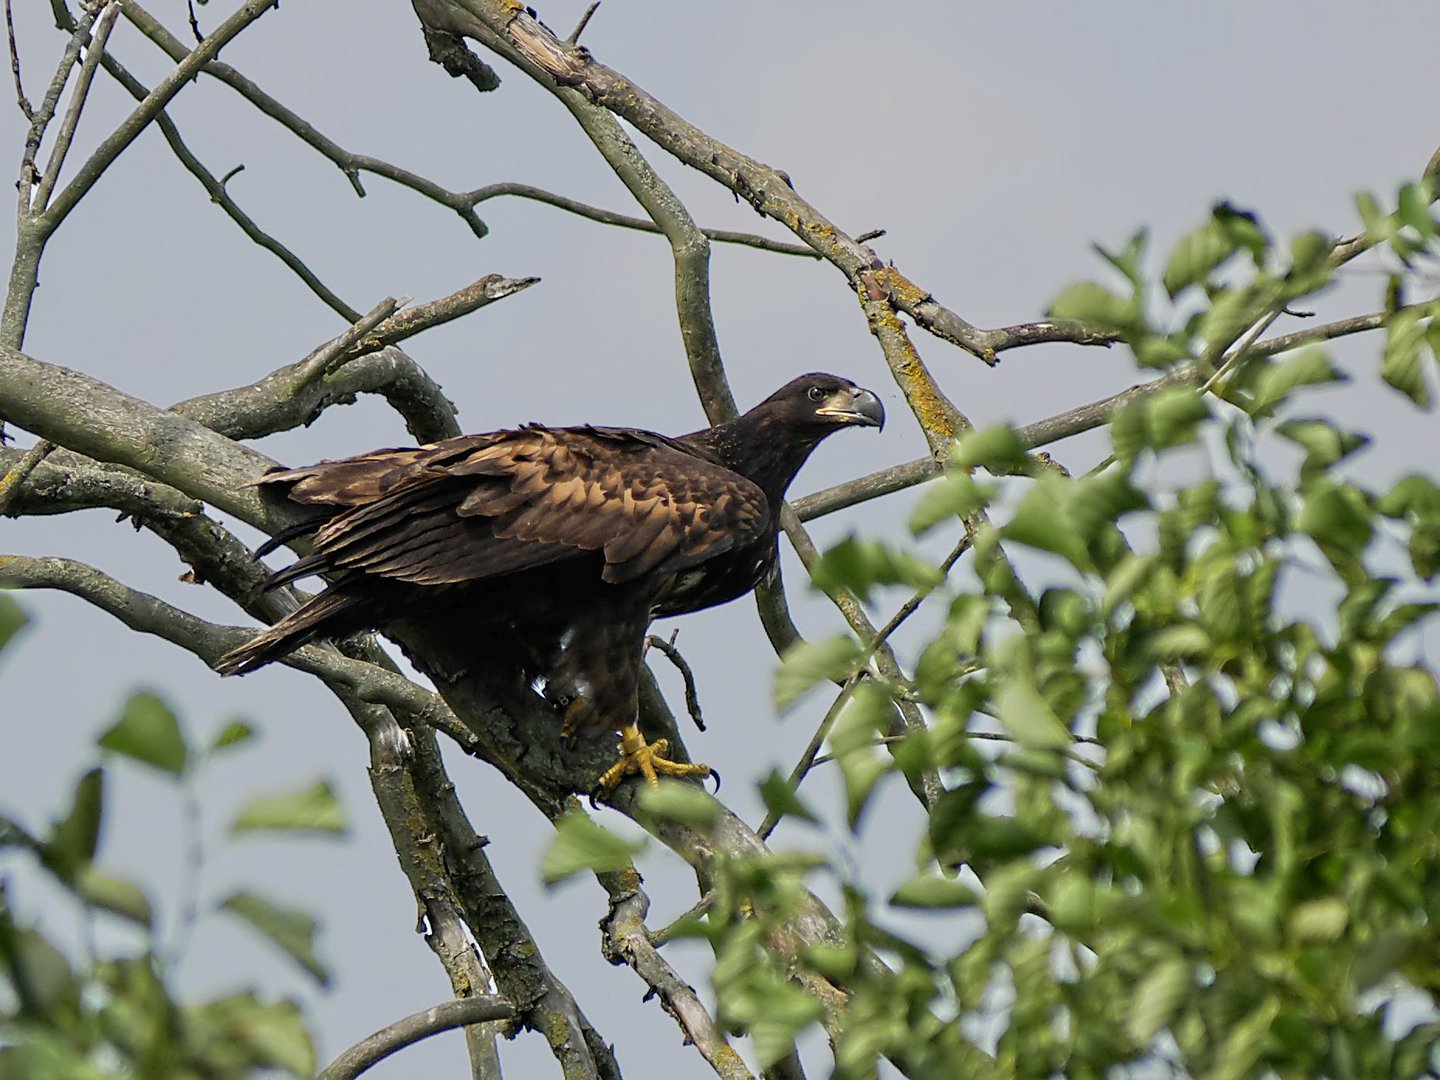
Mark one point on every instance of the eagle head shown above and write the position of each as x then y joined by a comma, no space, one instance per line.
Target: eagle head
827,402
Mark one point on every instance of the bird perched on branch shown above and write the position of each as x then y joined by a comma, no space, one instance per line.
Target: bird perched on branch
558,544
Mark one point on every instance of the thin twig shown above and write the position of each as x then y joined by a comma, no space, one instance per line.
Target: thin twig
13,480
519,36
584,22
692,695
463,203
45,112
807,759
446,1016
626,221
130,128
20,97
94,50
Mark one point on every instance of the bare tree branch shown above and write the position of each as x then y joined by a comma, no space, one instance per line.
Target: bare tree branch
209,641
626,941
13,479
26,109
446,1016
129,129
520,37
451,53
449,939
94,50
625,221
462,202
297,393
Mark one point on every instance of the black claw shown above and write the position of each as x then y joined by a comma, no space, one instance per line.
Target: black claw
716,775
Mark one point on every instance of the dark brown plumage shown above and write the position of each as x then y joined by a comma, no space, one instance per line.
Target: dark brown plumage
563,542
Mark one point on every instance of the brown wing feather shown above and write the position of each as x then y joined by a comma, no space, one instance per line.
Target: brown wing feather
481,506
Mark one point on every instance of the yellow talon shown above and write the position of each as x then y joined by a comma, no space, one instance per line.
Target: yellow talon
647,759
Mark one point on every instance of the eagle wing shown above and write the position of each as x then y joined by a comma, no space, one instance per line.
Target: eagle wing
483,506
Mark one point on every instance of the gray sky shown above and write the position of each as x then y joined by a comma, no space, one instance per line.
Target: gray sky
993,142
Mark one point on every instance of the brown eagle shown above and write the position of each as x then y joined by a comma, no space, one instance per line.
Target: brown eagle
561,544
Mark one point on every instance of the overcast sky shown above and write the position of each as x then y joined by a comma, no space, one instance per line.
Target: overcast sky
994,142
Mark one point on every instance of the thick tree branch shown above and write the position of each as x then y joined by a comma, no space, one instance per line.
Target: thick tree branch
450,940
147,614
297,393
446,1016
521,974
512,727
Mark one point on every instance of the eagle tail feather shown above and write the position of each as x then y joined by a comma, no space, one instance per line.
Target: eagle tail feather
331,614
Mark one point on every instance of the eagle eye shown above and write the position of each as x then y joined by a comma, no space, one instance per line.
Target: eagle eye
815,393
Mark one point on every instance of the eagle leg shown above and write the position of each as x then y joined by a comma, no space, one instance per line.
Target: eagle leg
646,759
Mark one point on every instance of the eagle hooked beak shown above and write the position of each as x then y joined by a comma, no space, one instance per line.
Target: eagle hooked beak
854,406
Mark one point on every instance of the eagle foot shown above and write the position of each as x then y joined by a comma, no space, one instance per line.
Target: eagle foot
647,760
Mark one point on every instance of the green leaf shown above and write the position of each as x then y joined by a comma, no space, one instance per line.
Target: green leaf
808,663
1156,997
954,495
313,809
933,891
292,930
12,619
74,839
1093,303
861,565
782,800
235,733
1403,366
1027,717
1042,520
1324,443
1128,261
115,895
1023,711
1319,920
999,450
1308,252
1243,228
1183,641
272,1036
28,957
148,732
580,844
1337,515
1196,255
1414,210
1378,225
861,720
1414,496
1241,1048
1310,367
676,801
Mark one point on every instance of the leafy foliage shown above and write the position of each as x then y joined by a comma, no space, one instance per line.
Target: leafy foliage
1191,789
117,1015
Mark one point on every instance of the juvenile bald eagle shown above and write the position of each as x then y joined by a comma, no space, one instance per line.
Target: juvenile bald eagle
562,543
